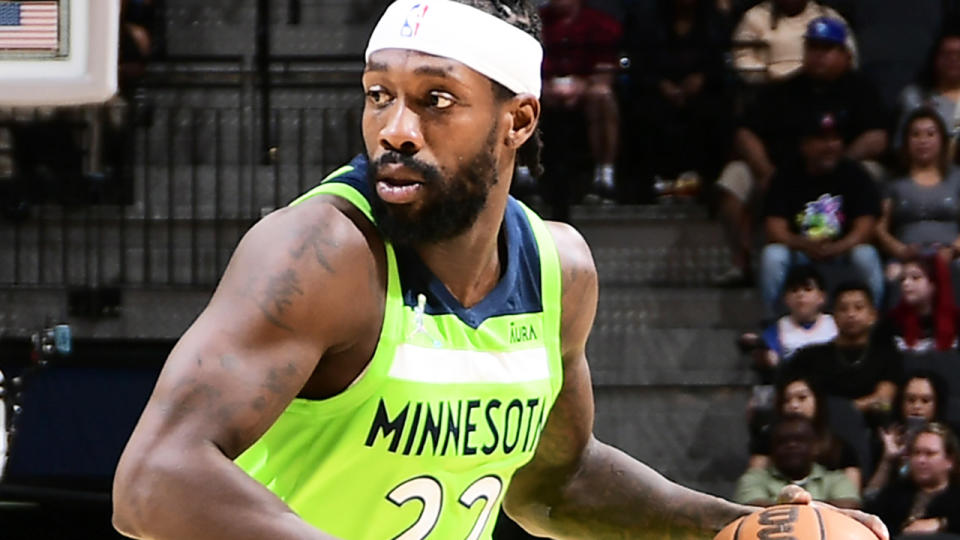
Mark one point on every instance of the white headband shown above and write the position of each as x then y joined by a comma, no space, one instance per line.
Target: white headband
482,42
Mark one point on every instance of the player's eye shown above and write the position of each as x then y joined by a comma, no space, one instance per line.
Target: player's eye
377,95
440,100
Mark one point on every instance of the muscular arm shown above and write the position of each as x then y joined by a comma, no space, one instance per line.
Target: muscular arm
579,487
231,375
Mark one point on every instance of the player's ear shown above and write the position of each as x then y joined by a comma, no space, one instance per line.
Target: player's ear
524,113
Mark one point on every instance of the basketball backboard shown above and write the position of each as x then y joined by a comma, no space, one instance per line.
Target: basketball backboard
58,52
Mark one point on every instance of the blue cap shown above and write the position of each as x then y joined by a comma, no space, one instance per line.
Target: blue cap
827,30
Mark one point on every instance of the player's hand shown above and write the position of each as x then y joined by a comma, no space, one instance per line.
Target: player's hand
797,495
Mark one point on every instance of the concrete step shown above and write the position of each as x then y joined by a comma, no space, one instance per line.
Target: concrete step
692,435
676,307
655,246
621,354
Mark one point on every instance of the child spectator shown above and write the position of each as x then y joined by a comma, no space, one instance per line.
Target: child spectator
925,319
793,453
850,365
921,210
805,324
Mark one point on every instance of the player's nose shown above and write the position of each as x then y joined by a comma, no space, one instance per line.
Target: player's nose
402,132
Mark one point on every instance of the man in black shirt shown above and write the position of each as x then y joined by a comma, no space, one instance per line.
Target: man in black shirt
769,130
821,211
849,366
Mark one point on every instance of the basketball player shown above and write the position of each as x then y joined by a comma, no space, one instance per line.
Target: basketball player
402,349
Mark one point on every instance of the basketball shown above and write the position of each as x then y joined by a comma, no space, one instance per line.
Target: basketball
796,521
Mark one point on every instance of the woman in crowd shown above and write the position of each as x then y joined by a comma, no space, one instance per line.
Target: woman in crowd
920,400
938,87
925,319
796,395
922,208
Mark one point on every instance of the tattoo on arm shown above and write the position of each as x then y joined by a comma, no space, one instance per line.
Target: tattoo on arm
280,294
315,238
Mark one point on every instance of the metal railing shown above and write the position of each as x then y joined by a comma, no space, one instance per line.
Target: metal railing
201,175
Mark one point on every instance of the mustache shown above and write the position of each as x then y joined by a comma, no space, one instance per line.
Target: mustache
429,173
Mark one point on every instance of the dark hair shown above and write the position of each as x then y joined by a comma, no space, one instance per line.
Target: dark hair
524,15
819,411
928,75
917,114
831,448
798,276
854,286
941,392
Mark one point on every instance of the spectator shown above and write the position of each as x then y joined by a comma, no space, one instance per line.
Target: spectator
793,461
849,366
805,324
770,130
928,501
768,42
677,87
938,87
921,209
797,396
926,317
580,57
823,211
921,399
136,43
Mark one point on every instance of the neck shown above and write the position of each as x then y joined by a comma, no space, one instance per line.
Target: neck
797,474
939,486
925,308
470,264
805,320
925,173
846,340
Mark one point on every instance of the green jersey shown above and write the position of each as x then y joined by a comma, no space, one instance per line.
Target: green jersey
424,443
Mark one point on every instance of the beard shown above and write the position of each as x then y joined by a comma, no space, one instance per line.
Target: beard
451,204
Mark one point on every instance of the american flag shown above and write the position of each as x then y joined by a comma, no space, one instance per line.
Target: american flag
29,26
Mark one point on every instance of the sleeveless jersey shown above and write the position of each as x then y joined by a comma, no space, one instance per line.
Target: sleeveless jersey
424,443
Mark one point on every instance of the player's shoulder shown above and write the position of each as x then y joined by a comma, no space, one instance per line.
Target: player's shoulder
572,248
323,220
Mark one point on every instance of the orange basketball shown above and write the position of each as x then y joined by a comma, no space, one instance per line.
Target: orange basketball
795,522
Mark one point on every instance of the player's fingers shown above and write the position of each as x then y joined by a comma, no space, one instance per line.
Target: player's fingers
794,495
871,521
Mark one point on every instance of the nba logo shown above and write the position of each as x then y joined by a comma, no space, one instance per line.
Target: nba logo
411,25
